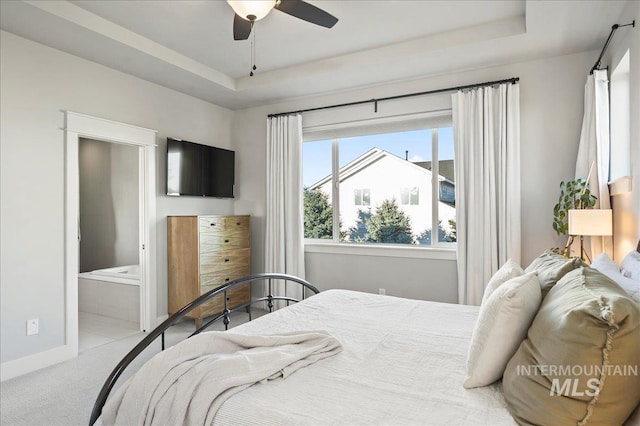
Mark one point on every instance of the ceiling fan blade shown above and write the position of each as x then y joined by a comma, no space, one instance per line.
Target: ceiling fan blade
241,28
307,12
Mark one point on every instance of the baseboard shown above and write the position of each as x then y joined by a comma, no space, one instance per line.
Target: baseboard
27,364
159,320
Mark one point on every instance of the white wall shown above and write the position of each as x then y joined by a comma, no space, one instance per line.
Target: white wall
627,218
109,201
125,178
551,103
37,83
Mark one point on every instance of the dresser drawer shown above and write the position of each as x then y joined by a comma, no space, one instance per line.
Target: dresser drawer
224,261
210,242
235,297
216,279
218,224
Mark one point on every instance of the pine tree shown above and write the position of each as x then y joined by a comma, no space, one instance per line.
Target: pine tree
389,224
318,214
359,233
452,235
443,235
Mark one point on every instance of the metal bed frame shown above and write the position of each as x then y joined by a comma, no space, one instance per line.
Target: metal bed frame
224,315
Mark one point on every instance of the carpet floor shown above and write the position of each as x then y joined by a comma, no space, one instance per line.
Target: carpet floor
64,394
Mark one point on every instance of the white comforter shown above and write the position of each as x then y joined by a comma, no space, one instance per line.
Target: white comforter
186,384
403,363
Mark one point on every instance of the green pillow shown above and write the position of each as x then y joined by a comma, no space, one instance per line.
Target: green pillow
580,361
550,268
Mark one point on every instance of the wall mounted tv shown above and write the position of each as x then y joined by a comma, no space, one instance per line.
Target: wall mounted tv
199,170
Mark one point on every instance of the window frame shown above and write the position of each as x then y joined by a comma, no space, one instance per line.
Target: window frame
362,197
409,192
432,120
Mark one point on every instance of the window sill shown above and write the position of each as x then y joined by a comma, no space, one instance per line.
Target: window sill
412,252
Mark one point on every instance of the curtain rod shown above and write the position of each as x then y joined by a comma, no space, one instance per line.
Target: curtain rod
614,28
512,80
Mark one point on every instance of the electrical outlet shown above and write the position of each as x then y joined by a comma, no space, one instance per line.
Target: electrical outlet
32,326
382,291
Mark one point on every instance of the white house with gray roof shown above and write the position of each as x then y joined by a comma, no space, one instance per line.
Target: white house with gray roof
378,175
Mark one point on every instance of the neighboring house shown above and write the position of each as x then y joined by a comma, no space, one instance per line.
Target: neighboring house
448,185
378,175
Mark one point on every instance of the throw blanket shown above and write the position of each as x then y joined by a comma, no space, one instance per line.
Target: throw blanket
186,384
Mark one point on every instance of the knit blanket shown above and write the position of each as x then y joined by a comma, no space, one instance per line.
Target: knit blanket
187,384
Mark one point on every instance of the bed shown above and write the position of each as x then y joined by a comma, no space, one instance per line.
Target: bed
403,362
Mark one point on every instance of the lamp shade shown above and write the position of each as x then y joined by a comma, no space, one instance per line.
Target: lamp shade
257,8
590,222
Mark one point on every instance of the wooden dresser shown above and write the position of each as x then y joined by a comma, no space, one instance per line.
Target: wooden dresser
205,252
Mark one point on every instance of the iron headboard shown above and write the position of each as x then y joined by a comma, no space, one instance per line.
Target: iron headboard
224,315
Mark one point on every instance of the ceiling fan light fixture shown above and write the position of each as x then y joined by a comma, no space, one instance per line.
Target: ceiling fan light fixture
252,10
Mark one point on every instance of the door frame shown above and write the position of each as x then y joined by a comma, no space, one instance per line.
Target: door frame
81,125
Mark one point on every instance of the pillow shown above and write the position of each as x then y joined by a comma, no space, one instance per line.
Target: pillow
630,265
551,267
576,364
604,264
509,270
501,326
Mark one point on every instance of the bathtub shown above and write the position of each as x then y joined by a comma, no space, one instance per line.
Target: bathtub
129,275
112,292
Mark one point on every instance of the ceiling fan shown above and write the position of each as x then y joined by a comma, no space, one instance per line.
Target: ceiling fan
248,12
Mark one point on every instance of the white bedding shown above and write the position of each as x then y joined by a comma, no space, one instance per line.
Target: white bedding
402,364
186,384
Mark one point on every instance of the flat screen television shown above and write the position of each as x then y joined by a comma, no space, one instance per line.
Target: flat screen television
199,170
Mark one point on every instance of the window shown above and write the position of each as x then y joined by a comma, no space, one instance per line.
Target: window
318,209
620,161
393,187
410,196
362,197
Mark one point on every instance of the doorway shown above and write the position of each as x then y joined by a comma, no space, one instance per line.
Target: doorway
80,126
108,228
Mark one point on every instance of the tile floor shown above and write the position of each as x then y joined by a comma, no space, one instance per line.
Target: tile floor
96,330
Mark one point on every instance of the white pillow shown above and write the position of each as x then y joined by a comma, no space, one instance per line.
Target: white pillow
501,326
509,270
605,264
608,267
630,265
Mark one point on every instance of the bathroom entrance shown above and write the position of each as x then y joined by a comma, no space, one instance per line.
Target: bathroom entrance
110,228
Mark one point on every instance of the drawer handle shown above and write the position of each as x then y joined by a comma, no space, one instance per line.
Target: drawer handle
212,224
238,223
226,260
228,299
226,241
226,279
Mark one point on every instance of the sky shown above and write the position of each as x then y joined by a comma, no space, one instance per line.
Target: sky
316,156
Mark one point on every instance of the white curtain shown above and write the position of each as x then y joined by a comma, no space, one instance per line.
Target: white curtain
486,128
594,149
284,247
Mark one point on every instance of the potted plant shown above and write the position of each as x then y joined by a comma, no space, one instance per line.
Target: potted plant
574,194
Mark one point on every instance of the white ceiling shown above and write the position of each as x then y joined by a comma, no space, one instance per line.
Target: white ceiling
188,45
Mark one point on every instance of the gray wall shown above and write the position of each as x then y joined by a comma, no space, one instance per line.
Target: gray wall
109,181
551,104
37,84
425,279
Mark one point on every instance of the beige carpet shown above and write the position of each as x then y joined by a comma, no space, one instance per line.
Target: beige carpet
64,394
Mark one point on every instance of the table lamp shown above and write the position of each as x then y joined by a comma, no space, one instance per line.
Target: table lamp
590,222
